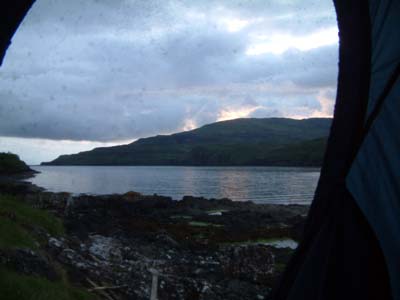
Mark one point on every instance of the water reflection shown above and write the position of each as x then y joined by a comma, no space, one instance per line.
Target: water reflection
258,184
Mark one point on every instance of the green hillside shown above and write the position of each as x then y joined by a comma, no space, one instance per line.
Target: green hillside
11,164
272,141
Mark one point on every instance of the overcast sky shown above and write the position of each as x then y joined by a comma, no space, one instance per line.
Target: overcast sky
88,73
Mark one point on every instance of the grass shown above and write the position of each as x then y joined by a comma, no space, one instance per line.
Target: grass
14,286
14,236
19,224
18,221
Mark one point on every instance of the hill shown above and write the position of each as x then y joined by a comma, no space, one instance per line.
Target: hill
270,141
10,164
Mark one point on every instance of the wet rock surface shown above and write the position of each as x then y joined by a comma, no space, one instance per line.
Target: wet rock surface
132,246
196,248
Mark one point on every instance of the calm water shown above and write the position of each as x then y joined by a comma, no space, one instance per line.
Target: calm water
259,184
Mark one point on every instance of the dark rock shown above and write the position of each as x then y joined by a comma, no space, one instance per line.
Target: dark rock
114,240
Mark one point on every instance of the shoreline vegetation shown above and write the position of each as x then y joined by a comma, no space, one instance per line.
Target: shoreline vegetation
239,142
115,246
12,166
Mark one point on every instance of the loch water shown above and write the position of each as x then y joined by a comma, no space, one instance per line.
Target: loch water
280,185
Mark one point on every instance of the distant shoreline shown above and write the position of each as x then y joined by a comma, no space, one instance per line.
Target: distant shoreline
200,166
239,142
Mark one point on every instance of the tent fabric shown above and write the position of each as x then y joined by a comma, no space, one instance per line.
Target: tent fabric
385,23
374,178
351,235
340,256
11,15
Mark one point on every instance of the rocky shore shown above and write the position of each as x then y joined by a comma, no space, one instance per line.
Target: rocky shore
134,246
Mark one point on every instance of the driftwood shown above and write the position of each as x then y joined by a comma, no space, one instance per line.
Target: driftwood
102,289
154,283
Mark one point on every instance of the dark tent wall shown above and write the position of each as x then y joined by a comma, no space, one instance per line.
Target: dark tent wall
351,239
374,178
385,24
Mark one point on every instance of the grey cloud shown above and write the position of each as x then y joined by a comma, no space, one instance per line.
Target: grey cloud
116,70
98,121
264,112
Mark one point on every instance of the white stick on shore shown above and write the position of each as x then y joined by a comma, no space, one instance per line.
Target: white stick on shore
154,283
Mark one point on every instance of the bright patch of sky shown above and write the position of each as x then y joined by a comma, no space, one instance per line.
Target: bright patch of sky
279,43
